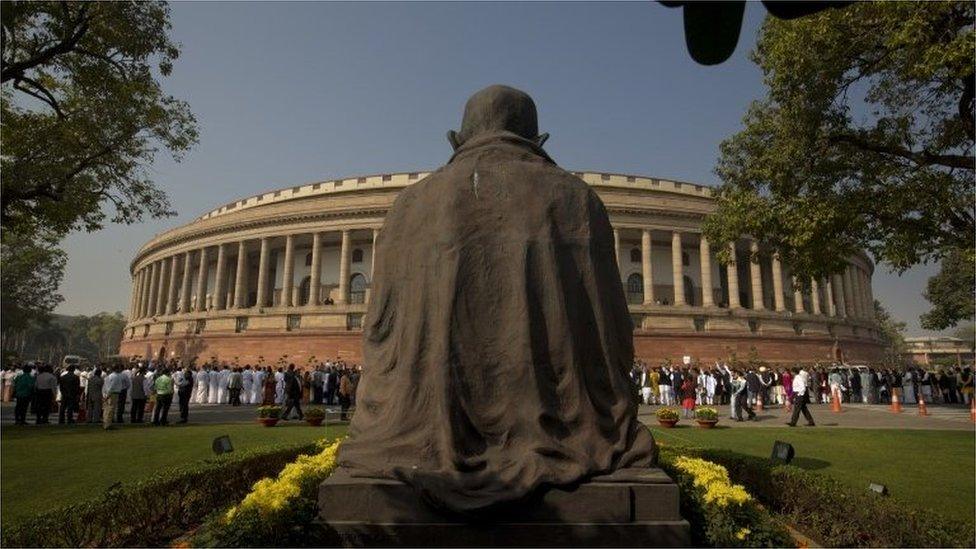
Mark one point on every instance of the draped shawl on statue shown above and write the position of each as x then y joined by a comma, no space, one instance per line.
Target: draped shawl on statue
497,341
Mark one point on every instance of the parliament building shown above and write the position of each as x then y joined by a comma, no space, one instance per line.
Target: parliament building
287,273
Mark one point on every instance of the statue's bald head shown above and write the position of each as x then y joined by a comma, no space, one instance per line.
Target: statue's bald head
498,108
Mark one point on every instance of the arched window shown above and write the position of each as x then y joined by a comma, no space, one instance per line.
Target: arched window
308,259
357,288
357,256
635,288
635,255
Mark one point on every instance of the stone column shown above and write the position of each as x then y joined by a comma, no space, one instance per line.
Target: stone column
676,269
850,308
287,279
262,292
153,288
797,295
144,298
185,291
778,300
161,291
240,280
147,290
870,293
344,268
755,274
201,304
616,246
829,293
137,306
815,296
372,256
171,298
132,296
646,267
732,274
314,279
706,272
839,298
219,298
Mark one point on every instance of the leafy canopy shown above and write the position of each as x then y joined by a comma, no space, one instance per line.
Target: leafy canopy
83,114
864,141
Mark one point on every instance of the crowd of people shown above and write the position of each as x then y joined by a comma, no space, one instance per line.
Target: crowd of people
745,388
110,393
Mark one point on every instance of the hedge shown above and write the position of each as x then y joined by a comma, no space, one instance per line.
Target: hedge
155,510
278,512
832,513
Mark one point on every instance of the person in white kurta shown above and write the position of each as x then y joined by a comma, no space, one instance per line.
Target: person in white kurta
203,385
247,378
710,383
223,395
214,384
279,387
257,386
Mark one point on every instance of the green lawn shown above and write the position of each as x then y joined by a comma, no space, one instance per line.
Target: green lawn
925,469
47,467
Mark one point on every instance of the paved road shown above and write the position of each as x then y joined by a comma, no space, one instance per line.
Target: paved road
860,416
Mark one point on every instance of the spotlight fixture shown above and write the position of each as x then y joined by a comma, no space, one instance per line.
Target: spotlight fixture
782,452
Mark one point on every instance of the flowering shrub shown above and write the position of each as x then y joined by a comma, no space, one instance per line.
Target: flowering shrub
314,413
721,514
667,414
269,411
278,511
706,413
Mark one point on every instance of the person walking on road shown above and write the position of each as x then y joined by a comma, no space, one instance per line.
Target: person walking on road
800,399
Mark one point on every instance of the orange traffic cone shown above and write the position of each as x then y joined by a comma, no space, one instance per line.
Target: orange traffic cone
835,401
895,403
922,409
972,408
759,402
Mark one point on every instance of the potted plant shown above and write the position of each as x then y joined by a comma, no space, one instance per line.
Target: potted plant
667,417
269,415
706,417
314,416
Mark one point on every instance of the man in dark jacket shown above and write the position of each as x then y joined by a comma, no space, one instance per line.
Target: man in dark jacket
293,393
753,386
70,385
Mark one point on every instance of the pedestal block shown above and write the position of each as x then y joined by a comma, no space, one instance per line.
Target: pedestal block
631,507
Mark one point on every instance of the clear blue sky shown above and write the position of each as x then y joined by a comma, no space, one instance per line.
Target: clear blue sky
288,93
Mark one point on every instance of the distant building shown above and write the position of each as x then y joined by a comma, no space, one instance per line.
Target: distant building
289,272
927,349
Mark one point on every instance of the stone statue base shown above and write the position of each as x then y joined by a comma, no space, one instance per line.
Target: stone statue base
631,507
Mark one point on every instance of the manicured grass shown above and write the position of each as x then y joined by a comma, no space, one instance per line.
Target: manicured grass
46,467
924,469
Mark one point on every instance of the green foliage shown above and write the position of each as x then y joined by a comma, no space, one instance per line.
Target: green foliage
269,411
713,524
666,414
706,413
155,510
316,412
832,513
83,119
94,337
864,141
891,332
967,333
951,292
32,271
83,113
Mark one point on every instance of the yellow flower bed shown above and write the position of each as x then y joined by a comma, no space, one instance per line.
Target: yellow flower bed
273,495
713,480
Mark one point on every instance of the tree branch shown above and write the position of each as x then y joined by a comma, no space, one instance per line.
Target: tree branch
66,45
43,95
923,158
